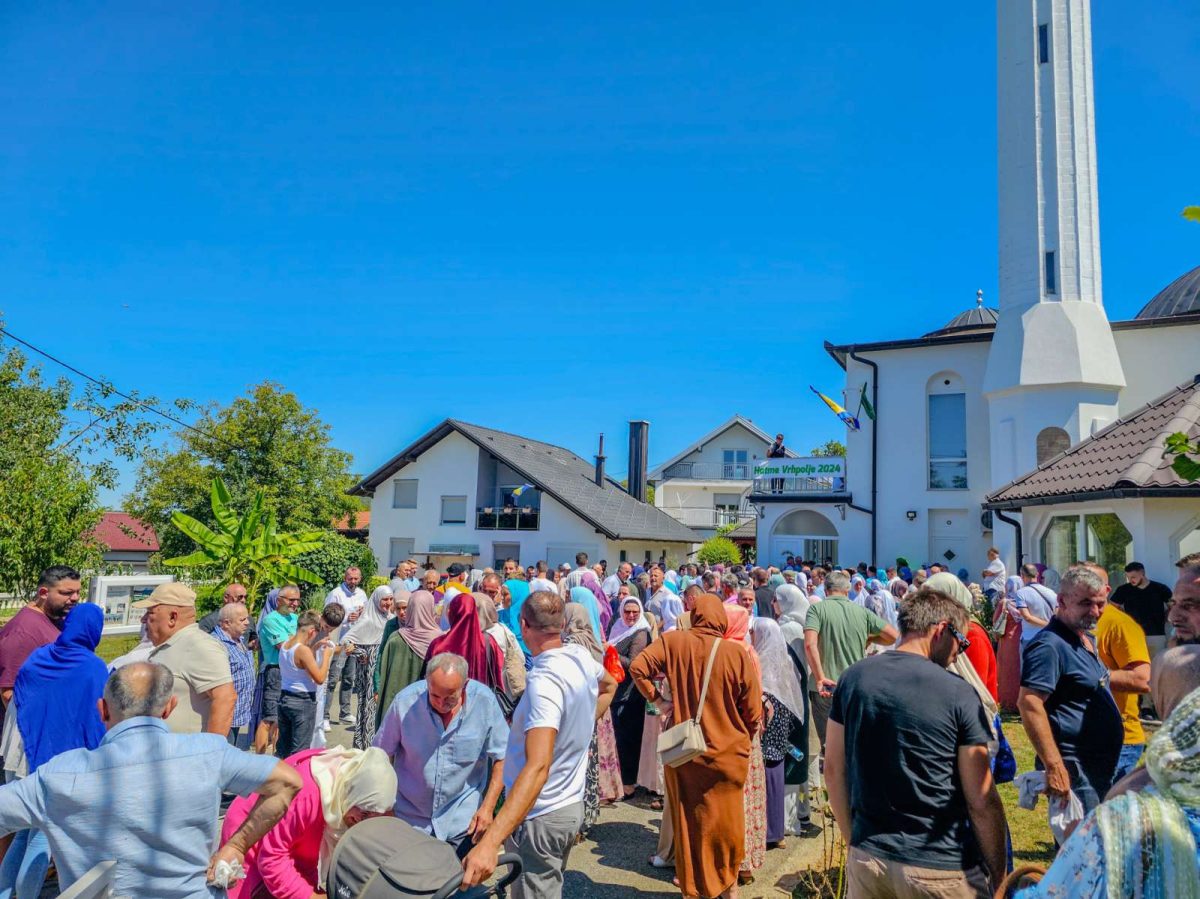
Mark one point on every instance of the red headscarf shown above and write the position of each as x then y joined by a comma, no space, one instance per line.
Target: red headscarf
467,639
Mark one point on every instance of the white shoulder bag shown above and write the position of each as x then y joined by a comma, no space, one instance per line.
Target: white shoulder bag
685,740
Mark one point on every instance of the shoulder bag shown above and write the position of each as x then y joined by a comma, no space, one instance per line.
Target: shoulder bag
685,740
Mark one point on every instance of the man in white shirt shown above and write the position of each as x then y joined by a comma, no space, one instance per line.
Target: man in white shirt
575,578
545,764
542,580
1035,604
994,575
612,583
344,666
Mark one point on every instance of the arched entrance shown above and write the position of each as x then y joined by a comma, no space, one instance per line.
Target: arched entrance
804,534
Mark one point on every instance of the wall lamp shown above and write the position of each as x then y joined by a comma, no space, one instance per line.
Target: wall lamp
911,514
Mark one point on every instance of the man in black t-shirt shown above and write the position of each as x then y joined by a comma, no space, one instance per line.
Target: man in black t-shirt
906,765
1145,601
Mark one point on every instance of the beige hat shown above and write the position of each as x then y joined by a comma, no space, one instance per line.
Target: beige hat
172,594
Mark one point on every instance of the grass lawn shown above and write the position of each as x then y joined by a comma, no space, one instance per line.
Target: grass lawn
1032,842
112,647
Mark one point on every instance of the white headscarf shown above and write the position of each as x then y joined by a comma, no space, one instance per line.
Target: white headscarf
349,779
368,629
793,610
779,675
621,630
945,582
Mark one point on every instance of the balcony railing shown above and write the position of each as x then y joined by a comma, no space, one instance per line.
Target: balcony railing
708,518
709,471
507,518
804,486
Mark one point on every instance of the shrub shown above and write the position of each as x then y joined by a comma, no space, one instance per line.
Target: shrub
330,562
718,549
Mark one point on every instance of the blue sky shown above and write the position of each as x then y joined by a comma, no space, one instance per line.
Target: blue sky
540,217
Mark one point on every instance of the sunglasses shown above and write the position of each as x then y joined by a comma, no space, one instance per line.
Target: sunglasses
963,643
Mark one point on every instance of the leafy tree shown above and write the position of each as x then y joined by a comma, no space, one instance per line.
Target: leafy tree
245,548
829,448
1192,213
330,561
53,467
718,549
1186,463
265,441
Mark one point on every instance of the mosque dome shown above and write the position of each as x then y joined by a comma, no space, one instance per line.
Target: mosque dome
978,318
1179,297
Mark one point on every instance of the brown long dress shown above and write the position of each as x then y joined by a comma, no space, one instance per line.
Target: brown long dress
707,812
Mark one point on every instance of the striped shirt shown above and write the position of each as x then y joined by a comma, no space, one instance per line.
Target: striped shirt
241,666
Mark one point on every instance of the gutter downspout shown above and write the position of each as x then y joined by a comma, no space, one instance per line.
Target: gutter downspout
874,446
1020,539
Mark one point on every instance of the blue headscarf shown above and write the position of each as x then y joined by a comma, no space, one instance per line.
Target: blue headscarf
511,617
587,599
57,689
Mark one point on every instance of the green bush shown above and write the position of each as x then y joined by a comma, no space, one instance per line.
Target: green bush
374,581
718,550
336,554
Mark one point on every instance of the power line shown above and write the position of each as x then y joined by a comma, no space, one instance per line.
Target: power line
107,386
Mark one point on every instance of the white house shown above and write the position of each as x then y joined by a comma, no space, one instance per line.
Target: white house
1038,426
463,492
707,484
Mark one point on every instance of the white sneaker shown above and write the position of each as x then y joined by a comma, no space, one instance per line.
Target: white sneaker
349,721
326,726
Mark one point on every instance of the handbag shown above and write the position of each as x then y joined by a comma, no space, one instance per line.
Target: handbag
685,740
1004,766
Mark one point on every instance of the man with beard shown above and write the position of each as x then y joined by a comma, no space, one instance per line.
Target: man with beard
1066,702
1184,610
906,765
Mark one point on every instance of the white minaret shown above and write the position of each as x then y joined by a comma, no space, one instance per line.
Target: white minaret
1053,362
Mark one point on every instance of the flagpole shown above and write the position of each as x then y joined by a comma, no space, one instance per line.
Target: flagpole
874,452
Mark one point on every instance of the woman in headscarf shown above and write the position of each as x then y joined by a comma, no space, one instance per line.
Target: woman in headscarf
485,661
340,788
604,607
52,710
858,590
705,795
980,655
881,601
394,623
1008,658
783,704
1145,843
650,768
754,794
363,639
604,770
583,596
791,610
510,616
630,635
514,659
776,581
404,654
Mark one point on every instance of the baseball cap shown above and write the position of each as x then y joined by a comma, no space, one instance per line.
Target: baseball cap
172,594
565,566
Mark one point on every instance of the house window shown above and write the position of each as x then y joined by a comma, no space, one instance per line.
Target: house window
948,441
404,493
1043,44
1060,543
1051,279
399,549
1101,538
454,510
735,464
725,506
1051,442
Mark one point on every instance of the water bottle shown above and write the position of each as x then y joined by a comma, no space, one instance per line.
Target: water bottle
795,753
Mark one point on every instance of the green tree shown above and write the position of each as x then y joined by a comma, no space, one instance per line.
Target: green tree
718,550
245,548
829,448
264,441
53,467
330,561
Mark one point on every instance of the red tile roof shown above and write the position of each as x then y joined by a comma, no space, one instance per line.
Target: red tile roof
121,532
362,522
1125,459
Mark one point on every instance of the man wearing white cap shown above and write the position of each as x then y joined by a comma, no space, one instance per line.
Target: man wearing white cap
203,682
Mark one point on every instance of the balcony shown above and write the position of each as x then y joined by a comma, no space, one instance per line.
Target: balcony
507,518
817,478
709,471
708,518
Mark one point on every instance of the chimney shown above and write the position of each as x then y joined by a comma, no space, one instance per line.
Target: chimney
600,464
639,445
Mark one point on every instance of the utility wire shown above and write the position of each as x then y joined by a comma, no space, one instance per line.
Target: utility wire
107,386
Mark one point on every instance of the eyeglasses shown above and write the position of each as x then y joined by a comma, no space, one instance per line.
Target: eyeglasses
963,643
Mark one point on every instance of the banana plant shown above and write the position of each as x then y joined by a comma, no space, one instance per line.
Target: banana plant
245,548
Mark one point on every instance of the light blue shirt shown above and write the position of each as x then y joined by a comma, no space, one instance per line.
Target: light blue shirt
442,773
145,798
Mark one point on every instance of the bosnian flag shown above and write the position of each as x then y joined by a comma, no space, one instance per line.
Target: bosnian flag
522,489
850,420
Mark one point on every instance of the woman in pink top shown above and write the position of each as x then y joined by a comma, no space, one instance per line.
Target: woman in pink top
341,788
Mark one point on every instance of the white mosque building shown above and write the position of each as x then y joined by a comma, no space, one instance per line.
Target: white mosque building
1037,427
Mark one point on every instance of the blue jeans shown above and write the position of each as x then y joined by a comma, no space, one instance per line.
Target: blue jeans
25,865
1131,754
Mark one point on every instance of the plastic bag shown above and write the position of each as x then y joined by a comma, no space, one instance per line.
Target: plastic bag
612,663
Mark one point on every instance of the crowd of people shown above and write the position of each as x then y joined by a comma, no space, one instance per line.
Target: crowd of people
502,710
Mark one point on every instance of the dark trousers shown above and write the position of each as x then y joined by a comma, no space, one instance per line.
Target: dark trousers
342,669
820,706
297,717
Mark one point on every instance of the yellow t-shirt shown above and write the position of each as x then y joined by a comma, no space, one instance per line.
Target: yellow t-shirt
1120,641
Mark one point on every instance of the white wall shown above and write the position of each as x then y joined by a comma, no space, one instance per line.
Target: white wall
734,437
1156,360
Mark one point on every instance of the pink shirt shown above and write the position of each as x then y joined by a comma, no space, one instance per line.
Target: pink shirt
284,862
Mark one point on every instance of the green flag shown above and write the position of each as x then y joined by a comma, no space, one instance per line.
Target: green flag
865,404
